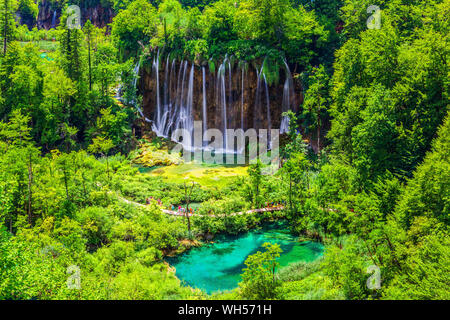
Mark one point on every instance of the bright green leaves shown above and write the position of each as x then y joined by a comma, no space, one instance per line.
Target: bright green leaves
258,280
137,23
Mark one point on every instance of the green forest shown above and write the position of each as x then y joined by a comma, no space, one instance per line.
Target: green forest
94,205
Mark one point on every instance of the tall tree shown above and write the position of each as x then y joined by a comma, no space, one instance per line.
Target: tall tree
256,178
259,280
8,10
316,101
88,30
187,199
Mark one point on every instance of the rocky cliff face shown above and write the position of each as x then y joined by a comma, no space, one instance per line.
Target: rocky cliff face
98,15
50,13
245,104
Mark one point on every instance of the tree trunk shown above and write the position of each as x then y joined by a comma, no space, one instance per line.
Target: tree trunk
290,195
30,181
90,68
107,168
5,27
318,133
187,198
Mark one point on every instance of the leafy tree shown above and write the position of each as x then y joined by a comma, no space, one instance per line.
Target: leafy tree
262,19
88,29
258,279
187,199
133,25
102,145
8,10
28,8
71,52
295,169
256,178
295,143
316,101
106,69
426,193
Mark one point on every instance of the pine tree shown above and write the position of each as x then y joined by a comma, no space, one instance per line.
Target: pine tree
71,46
89,29
317,101
8,10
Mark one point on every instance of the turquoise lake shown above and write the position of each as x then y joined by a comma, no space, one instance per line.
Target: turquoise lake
218,266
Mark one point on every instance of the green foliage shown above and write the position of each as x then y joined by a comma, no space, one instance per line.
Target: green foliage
259,280
347,269
256,178
383,85
377,194
316,102
135,24
28,9
427,192
8,10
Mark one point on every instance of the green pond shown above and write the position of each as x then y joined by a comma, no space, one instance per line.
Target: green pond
218,266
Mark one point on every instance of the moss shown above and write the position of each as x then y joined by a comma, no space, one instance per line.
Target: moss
205,175
149,155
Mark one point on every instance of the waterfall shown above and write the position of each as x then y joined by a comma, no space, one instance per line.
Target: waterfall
186,119
223,99
135,79
189,121
167,107
166,83
183,81
230,93
269,120
204,114
136,74
176,111
175,102
286,102
53,20
158,124
242,99
257,108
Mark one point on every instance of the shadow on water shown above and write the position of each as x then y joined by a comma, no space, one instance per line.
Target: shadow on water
218,266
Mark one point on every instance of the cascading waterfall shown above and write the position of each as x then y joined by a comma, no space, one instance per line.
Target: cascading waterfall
269,119
224,105
175,103
222,99
158,124
257,108
188,121
242,98
286,102
166,83
135,79
53,20
230,93
204,113
175,113
136,73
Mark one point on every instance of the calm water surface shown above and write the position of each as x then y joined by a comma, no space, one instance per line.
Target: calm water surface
218,266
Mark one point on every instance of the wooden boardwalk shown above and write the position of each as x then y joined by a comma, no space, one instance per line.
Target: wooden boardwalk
270,209
181,214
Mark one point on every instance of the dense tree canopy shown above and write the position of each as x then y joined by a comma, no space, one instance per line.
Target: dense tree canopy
373,186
